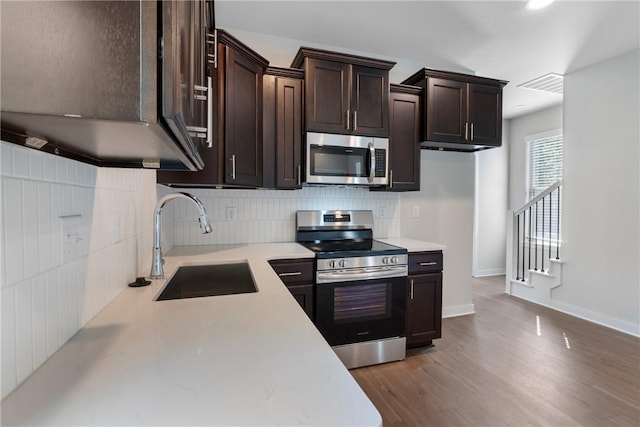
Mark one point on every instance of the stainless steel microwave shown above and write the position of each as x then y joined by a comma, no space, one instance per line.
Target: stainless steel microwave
346,159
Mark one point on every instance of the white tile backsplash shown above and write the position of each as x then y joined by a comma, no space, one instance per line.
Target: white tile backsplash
269,215
46,301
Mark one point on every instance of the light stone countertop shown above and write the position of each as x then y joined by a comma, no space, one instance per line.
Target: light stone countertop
233,360
413,245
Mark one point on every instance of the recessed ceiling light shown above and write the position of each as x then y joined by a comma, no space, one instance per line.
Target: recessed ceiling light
537,4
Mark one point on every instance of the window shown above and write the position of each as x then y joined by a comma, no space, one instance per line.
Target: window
544,167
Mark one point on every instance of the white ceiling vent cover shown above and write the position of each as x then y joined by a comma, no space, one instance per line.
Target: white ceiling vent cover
551,82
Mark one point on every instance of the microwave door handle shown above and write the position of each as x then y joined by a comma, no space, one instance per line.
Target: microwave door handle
372,162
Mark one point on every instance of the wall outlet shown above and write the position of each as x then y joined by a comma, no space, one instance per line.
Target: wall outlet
382,211
118,234
71,237
232,213
415,212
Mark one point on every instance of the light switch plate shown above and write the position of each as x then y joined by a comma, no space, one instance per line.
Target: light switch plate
232,213
71,238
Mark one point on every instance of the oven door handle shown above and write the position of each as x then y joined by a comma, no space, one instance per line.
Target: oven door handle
361,274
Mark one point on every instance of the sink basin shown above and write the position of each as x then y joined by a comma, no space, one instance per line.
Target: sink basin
209,280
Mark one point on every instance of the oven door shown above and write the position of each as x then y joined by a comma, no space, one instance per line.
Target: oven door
361,310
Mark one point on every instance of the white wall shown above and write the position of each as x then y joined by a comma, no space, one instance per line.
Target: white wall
44,299
445,202
490,208
601,208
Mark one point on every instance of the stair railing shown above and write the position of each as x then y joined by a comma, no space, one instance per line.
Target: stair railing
537,223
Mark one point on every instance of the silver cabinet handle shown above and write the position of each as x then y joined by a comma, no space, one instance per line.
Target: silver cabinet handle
294,273
472,131
233,167
210,113
425,264
299,175
348,118
390,178
411,292
466,131
355,120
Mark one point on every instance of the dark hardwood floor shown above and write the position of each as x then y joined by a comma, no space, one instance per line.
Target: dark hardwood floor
512,363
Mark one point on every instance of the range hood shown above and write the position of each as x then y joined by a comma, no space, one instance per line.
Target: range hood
104,82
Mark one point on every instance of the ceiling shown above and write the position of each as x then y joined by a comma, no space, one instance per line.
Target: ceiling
497,39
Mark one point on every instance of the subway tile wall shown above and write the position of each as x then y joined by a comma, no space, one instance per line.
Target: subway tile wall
47,296
269,215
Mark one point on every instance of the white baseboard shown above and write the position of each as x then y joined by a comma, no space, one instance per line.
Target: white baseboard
458,310
590,316
490,272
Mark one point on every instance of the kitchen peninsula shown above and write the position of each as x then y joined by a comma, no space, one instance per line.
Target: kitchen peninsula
248,359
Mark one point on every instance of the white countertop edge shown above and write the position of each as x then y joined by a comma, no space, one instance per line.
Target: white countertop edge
413,245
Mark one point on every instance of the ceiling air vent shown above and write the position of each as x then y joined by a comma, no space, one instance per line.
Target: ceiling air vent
551,82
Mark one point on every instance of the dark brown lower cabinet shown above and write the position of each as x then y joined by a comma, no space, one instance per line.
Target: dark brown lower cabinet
297,275
424,298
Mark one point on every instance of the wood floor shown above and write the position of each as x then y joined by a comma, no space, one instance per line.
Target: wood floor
512,363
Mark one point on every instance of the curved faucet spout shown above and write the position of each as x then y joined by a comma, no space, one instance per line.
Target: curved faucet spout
157,271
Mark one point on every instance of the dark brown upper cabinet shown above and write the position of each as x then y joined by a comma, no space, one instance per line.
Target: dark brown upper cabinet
461,112
282,128
404,139
235,157
345,94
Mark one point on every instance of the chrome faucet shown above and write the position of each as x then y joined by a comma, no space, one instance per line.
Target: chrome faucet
157,272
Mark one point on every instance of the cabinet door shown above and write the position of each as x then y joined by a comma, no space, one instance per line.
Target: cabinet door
446,110
404,142
288,133
485,114
369,101
243,120
327,101
304,295
424,309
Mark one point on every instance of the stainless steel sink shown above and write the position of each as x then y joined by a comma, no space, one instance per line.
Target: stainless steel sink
209,280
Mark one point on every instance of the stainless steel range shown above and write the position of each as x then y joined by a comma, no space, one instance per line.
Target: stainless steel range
361,286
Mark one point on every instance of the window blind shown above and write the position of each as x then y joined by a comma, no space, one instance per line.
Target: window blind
544,167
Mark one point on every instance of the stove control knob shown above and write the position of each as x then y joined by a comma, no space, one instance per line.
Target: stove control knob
332,263
385,260
394,259
342,263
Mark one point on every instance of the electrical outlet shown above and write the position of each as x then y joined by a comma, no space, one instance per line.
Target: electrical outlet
382,211
415,212
232,213
71,237
117,227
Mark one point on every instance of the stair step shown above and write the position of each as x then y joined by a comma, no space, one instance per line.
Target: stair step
521,283
542,273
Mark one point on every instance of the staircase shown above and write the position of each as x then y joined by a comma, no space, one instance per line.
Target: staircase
534,266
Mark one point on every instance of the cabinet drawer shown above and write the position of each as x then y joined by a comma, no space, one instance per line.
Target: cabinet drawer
424,262
294,272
